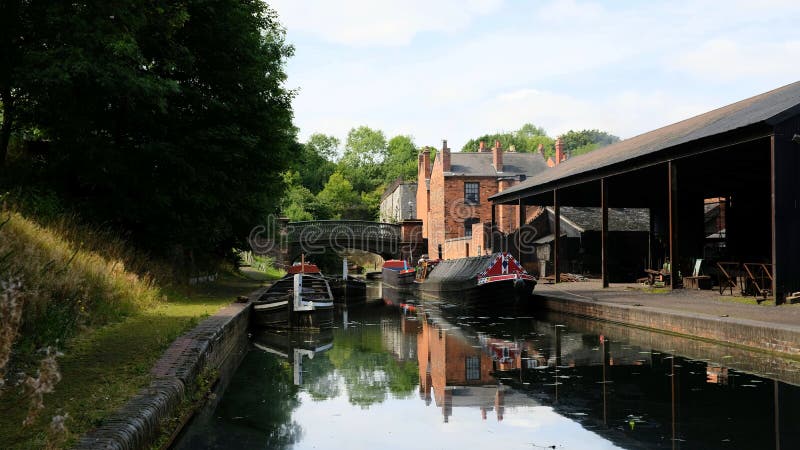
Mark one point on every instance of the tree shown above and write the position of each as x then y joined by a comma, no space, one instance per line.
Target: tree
313,161
324,145
401,159
167,120
525,139
364,152
583,141
339,197
298,203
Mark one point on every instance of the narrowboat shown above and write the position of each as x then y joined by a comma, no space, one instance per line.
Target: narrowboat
397,273
492,278
298,300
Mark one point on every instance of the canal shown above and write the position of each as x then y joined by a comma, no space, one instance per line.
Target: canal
403,373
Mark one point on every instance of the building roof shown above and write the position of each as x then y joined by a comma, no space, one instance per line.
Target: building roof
479,164
619,219
768,108
389,190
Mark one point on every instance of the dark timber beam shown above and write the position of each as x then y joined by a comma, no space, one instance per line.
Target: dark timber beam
604,230
557,232
521,222
673,222
493,228
785,209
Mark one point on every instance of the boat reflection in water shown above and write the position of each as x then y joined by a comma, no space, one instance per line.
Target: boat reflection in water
297,346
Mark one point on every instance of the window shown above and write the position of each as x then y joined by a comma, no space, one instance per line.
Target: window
473,368
468,225
471,193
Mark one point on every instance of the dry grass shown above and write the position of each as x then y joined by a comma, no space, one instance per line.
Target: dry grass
68,283
94,321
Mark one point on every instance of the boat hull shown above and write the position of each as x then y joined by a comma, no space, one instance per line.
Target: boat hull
280,316
398,278
350,291
276,306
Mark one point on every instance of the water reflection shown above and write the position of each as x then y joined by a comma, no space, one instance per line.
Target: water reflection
408,374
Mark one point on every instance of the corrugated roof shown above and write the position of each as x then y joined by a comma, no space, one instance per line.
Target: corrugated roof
769,108
479,164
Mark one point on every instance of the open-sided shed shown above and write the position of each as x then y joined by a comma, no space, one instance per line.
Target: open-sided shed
745,156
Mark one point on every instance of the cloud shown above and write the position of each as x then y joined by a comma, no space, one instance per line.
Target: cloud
728,60
379,23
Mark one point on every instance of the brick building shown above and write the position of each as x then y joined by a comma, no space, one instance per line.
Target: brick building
453,194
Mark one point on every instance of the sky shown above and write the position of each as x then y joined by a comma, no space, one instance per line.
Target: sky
458,69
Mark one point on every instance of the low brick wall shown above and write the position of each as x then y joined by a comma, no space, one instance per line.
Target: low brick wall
207,346
739,332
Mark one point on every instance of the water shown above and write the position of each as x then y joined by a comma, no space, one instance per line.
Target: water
442,377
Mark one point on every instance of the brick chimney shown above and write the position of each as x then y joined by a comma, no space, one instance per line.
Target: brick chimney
559,151
425,162
482,147
497,157
445,157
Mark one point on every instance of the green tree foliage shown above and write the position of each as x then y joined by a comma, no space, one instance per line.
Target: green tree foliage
401,159
325,146
583,141
168,120
525,139
298,201
314,160
365,151
339,198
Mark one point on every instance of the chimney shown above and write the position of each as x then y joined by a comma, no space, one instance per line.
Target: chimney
425,162
482,147
445,157
559,151
497,157
540,149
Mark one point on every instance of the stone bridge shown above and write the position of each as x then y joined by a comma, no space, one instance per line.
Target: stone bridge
286,241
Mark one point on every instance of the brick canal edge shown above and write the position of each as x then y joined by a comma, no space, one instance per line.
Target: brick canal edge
207,347
745,333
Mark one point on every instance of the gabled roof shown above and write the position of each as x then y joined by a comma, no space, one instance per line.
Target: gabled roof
479,164
619,219
768,108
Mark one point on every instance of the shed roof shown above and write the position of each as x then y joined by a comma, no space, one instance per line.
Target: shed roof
768,108
619,219
479,164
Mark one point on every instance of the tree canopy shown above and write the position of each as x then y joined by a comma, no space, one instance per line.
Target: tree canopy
168,120
525,139
528,138
583,141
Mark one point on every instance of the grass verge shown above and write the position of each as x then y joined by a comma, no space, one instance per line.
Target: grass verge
104,367
85,294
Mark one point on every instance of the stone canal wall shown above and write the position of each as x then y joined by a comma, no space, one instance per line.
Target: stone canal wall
205,348
764,336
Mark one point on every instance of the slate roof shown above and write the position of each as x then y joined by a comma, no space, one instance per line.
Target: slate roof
619,219
768,108
479,164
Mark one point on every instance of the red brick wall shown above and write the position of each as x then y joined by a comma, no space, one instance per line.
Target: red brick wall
423,205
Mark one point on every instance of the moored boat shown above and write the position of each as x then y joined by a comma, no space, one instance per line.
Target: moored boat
397,273
488,279
348,291
299,300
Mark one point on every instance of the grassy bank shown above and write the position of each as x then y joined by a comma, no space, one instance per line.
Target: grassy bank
108,318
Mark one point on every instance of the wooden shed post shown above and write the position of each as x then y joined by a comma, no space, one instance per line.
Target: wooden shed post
604,230
521,222
673,223
557,232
